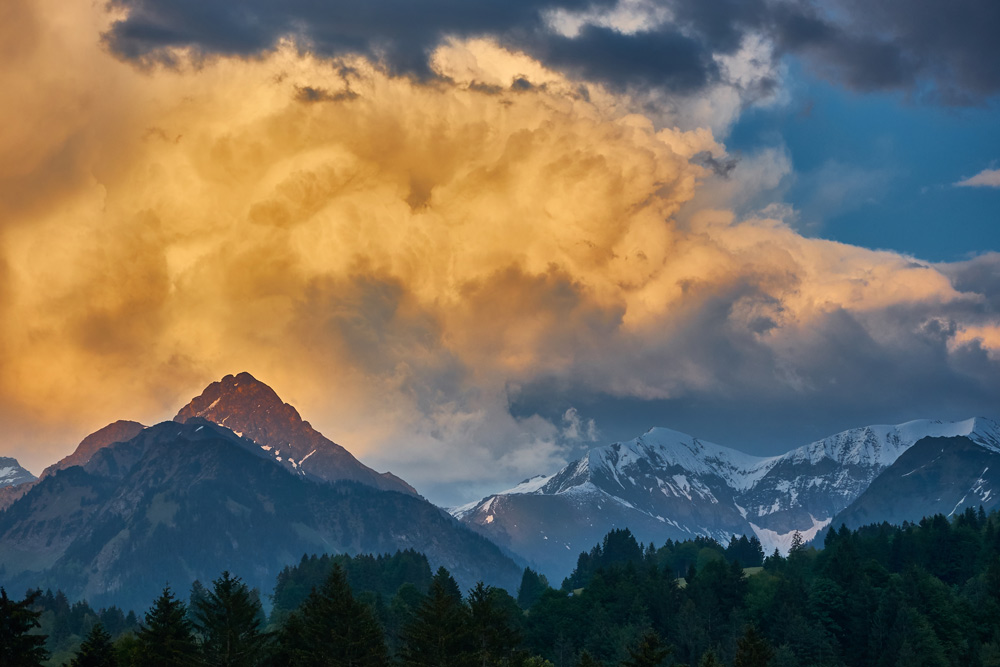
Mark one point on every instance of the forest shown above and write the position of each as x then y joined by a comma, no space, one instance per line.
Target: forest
923,594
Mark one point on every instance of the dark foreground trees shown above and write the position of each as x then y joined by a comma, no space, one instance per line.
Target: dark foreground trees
97,650
332,628
920,594
440,632
229,624
166,638
17,619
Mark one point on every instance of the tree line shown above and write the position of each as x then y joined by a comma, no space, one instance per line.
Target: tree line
924,594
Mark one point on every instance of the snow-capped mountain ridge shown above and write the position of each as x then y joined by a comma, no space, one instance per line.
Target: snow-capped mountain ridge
882,444
665,448
676,485
876,446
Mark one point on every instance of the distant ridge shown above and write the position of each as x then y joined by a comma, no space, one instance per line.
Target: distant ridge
12,474
666,484
118,431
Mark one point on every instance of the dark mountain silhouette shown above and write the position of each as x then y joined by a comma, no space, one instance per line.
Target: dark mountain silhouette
180,502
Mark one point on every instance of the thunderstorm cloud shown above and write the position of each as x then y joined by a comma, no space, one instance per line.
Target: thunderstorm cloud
406,258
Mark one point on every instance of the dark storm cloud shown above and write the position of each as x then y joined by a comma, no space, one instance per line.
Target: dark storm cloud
661,58
401,32
980,275
938,51
946,51
839,376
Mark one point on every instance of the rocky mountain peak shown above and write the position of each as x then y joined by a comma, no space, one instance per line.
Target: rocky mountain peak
252,409
244,404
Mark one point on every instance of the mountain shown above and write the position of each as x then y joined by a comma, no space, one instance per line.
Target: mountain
804,489
934,476
669,485
12,474
663,484
14,481
180,502
252,409
118,431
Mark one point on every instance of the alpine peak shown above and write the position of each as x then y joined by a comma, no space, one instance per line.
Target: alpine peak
252,409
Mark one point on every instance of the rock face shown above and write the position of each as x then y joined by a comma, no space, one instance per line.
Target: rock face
252,409
669,485
934,476
180,502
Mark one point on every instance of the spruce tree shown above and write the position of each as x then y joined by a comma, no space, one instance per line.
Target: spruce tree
198,595
709,659
439,634
651,651
798,543
97,650
17,647
165,639
495,635
752,650
332,628
128,650
228,621
532,587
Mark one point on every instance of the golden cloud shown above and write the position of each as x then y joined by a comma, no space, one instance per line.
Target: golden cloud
389,254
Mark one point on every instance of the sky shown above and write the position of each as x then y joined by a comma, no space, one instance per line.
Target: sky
471,240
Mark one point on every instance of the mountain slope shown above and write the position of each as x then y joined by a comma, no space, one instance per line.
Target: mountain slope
668,485
934,476
252,409
185,501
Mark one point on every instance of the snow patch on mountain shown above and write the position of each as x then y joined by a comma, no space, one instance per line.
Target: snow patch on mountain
531,485
771,540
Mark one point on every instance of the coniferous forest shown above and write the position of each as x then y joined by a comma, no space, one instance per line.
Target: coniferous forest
924,594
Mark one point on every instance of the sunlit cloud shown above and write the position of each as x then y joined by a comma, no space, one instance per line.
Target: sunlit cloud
400,256
987,178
